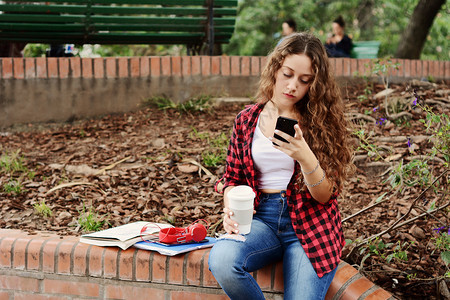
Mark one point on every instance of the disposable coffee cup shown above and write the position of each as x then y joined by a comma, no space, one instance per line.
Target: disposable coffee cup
240,201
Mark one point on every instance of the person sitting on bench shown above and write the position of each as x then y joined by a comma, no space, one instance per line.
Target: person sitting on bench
339,44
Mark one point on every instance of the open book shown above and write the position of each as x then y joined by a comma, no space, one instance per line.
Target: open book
124,236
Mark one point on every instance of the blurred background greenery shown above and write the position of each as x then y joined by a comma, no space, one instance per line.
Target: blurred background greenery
258,27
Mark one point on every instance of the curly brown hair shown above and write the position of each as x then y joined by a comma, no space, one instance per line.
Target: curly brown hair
321,110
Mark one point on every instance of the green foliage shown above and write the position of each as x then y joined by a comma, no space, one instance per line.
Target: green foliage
13,165
416,172
202,103
258,25
217,153
160,102
445,255
399,252
11,162
13,187
131,50
439,127
367,94
442,241
38,50
90,221
382,68
42,209
386,251
442,244
35,50
365,143
213,158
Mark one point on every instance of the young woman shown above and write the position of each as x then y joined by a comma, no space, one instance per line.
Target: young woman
339,44
296,183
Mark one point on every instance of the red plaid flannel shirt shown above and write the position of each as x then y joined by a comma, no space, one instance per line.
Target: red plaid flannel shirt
318,226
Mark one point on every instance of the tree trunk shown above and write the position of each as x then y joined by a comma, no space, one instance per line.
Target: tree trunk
365,19
414,37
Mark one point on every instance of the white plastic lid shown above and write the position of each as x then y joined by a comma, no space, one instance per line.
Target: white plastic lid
241,193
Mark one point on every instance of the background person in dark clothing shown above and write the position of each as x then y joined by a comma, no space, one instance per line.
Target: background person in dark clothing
339,44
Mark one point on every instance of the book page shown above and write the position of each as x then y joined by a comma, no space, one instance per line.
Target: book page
127,231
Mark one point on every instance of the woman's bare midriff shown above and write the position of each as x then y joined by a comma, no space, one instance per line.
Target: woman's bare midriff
269,191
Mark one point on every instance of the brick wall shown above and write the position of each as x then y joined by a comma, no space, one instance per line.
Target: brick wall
133,67
60,89
47,266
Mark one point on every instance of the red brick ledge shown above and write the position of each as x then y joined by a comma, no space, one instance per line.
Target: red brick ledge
162,66
48,266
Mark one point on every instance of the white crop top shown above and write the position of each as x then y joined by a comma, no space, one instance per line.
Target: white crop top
274,168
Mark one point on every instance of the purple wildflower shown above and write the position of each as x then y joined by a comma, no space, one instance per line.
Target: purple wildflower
439,229
381,121
409,142
375,109
417,97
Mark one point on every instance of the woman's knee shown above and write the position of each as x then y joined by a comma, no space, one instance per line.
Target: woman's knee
223,257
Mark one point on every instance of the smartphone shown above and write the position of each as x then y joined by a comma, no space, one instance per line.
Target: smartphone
286,125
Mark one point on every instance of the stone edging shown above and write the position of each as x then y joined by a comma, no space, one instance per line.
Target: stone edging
52,265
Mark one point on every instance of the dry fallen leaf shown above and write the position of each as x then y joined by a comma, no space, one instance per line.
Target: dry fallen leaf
187,168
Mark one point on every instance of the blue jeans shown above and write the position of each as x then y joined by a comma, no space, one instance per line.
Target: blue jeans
271,239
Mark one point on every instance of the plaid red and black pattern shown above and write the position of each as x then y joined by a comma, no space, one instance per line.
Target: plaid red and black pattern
318,226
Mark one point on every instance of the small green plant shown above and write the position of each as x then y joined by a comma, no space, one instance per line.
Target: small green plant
442,241
366,144
385,251
162,103
374,247
199,135
217,153
13,187
31,174
442,244
439,126
213,158
42,209
202,103
12,162
378,247
220,141
90,221
416,172
399,252
382,68
367,93
368,86
13,165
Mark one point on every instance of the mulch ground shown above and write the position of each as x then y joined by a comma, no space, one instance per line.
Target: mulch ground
150,165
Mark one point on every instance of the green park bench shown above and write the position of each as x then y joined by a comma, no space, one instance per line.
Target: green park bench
365,49
198,24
